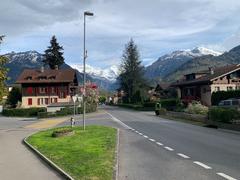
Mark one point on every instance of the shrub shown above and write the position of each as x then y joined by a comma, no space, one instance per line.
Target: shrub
30,112
169,104
225,115
222,95
162,111
149,104
196,108
68,111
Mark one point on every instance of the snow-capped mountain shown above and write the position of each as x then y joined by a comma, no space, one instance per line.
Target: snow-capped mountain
168,63
33,60
110,73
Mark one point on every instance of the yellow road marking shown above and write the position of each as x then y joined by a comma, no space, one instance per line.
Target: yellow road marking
45,124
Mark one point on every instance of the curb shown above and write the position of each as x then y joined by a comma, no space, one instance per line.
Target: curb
48,161
116,168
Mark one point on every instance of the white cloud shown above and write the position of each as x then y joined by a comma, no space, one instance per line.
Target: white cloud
157,26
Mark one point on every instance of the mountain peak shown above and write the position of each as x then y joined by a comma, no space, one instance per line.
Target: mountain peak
110,73
205,51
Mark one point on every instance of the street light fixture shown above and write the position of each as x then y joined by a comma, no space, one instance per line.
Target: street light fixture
86,13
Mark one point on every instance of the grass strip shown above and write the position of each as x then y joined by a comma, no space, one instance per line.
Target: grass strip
86,154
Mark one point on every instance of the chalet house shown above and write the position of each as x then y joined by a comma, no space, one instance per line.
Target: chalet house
43,87
200,85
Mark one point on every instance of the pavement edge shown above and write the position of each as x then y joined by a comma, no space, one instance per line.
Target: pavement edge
48,161
116,168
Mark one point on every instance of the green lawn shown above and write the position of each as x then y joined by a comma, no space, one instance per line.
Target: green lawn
84,155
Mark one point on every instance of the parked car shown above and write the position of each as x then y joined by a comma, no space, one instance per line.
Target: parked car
230,103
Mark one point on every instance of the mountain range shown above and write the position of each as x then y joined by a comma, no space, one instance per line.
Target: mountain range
167,64
167,68
33,60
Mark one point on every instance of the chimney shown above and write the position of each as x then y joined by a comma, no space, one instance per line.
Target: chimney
42,69
211,71
56,67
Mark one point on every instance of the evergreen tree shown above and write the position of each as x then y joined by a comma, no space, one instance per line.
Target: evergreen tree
14,97
53,55
3,73
131,78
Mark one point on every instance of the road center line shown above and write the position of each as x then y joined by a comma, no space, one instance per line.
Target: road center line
202,165
120,122
168,148
226,176
145,136
158,143
140,134
153,140
183,155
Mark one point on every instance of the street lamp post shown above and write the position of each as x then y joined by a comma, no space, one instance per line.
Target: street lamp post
86,13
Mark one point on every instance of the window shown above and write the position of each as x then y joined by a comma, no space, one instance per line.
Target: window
217,88
42,90
53,90
42,77
46,100
29,101
52,77
38,102
62,95
29,78
229,88
55,100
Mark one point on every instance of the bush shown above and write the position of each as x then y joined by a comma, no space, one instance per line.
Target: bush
30,112
196,108
149,104
161,111
222,95
225,115
169,104
68,111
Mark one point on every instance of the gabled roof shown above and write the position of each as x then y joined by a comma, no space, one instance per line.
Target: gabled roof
47,76
218,73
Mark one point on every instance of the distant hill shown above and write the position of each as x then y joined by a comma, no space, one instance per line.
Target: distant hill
169,63
204,62
32,60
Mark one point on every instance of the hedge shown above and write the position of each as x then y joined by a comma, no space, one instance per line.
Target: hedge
169,104
224,115
68,111
222,95
21,112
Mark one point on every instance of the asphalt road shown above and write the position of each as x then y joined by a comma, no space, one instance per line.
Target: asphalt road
166,149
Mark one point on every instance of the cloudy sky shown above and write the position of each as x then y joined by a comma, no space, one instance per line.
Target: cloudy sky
157,27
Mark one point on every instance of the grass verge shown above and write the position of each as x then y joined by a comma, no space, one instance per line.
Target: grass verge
198,123
86,155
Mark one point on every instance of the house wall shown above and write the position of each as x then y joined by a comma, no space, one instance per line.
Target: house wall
35,100
206,95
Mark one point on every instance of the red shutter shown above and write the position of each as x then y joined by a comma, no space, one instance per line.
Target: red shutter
46,100
29,101
38,101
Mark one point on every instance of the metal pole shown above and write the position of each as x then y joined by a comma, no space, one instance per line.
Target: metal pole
84,73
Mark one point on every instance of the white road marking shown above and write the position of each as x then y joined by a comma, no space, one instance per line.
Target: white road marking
226,176
202,165
158,143
168,148
120,122
136,131
183,155
133,129
140,134
153,140
145,136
